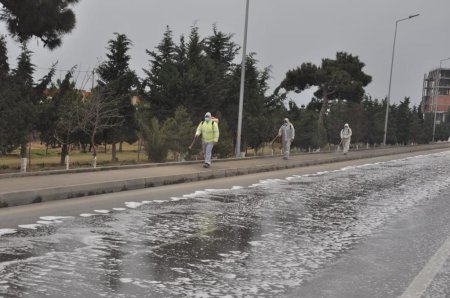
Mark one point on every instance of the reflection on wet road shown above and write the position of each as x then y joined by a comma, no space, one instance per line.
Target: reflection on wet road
242,242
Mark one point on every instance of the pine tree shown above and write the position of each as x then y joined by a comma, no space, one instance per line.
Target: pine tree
403,122
22,82
163,78
255,128
4,65
375,112
5,96
339,78
116,75
47,20
220,52
178,132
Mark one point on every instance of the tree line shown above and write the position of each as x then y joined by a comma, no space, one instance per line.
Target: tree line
182,81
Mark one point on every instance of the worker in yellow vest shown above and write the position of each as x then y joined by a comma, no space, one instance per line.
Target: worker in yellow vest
209,130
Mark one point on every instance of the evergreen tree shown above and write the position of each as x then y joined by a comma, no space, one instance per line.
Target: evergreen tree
308,135
255,128
58,119
19,101
416,125
224,147
196,77
163,78
340,78
6,93
391,136
4,65
178,132
116,75
404,121
221,52
47,20
335,121
357,118
155,144
23,108
375,112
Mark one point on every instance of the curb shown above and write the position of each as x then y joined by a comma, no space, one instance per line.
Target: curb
75,191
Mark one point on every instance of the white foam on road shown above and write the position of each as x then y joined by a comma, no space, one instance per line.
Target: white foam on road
119,209
30,226
88,214
52,218
47,222
7,231
133,205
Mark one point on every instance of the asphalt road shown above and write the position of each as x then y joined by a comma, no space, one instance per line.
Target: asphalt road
410,257
407,257
11,217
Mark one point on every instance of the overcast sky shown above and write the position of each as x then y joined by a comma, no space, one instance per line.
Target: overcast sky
283,33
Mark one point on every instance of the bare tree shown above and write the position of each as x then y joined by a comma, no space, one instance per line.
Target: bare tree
99,112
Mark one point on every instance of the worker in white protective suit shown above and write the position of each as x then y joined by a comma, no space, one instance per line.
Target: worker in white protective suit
287,134
346,134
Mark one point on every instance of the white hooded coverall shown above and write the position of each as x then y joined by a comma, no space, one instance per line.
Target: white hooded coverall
287,134
346,134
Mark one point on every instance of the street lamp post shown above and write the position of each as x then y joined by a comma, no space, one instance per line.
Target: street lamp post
241,93
437,83
390,77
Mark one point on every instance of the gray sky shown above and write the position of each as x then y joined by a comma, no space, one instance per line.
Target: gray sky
283,33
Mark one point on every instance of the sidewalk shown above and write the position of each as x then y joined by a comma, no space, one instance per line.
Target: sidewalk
16,189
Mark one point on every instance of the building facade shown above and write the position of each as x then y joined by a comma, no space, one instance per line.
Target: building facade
436,93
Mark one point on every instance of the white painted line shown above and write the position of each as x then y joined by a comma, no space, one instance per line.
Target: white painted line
425,277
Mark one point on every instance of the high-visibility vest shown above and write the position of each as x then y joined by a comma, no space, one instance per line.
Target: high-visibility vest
209,131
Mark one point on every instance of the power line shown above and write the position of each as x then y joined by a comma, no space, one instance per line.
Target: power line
88,74
56,69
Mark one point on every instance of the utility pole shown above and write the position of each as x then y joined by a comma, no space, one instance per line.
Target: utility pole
93,79
388,99
241,93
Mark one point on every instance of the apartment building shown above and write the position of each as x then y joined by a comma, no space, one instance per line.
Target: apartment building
436,93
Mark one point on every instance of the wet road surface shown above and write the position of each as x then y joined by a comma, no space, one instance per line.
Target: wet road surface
272,239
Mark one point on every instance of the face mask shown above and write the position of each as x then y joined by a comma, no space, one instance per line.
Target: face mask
207,119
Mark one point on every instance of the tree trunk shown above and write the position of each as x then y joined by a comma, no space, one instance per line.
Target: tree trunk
139,148
64,151
120,146
114,152
324,107
94,148
23,150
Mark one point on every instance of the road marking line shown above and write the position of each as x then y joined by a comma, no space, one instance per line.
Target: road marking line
425,277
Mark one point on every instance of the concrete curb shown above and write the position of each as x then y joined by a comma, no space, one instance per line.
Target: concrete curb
165,164
75,191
